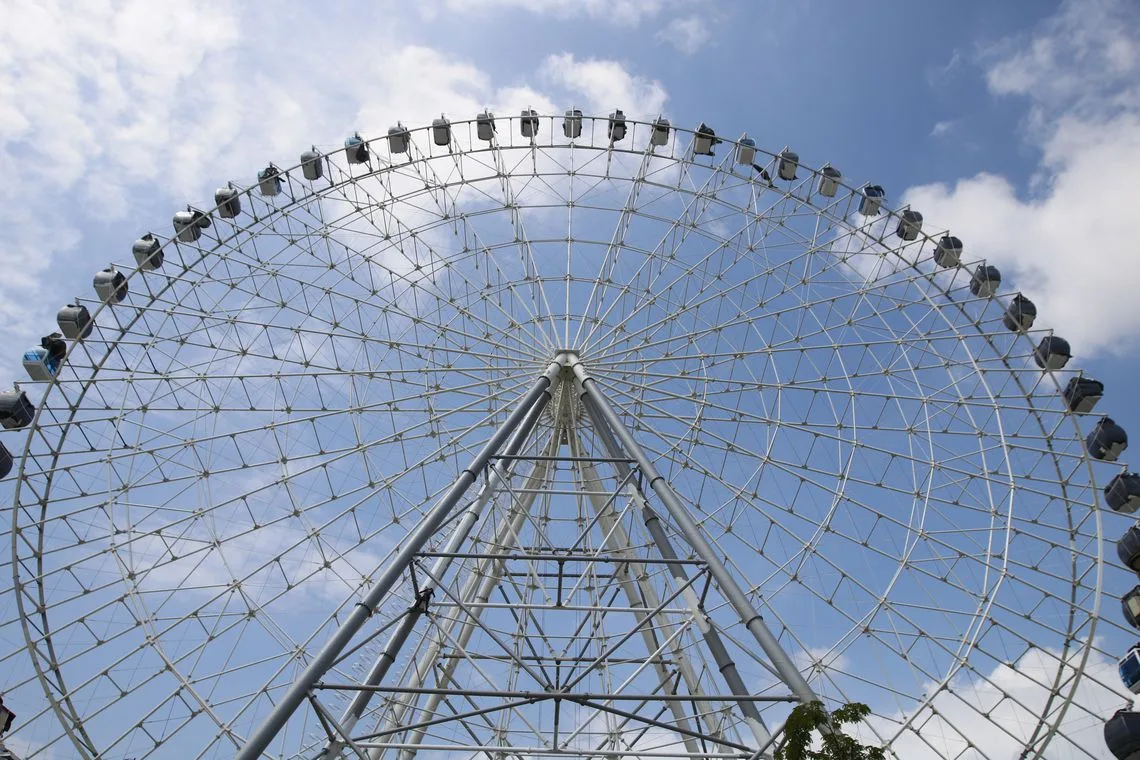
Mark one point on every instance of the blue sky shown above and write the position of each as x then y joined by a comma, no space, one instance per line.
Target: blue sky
1015,125
104,135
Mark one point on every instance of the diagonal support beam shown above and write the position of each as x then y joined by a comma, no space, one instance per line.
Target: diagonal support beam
498,474
539,393
692,534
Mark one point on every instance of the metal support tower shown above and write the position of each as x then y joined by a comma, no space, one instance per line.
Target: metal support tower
552,615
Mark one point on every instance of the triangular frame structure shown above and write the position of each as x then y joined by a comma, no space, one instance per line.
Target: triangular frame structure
650,596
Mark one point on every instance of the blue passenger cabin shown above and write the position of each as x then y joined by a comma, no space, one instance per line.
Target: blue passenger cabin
1107,441
572,123
42,362
16,410
1122,734
1129,668
1081,394
1053,352
356,150
110,285
1122,494
829,178
985,280
873,196
74,321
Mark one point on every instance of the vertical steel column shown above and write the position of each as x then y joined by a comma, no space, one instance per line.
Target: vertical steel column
638,590
724,662
428,526
499,473
727,584
479,586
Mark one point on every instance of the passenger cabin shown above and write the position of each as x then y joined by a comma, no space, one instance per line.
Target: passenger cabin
110,285
1082,394
148,253
1107,441
745,150
985,280
572,123
1122,734
16,411
356,150
441,131
1128,549
829,178
948,251
1129,669
789,161
188,224
269,181
910,224
872,200
42,362
6,461
660,134
1020,314
399,139
74,321
617,126
1052,353
1122,494
228,200
312,164
528,123
485,126
1130,606
704,140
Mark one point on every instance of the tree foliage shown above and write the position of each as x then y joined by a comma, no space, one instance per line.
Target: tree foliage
810,718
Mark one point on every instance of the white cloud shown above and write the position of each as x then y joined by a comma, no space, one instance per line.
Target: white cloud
1011,697
110,110
1068,244
605,85
622,12
943,127
687,34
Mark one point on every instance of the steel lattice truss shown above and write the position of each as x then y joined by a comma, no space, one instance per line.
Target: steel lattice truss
244,447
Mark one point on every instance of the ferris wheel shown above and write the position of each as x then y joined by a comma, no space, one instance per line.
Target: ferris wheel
539,436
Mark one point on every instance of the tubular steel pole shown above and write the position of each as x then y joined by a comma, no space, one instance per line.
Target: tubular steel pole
499,473
692,534
539,393
724,662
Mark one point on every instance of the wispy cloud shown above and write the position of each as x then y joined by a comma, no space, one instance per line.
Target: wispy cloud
942,128
1068,245
688,34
